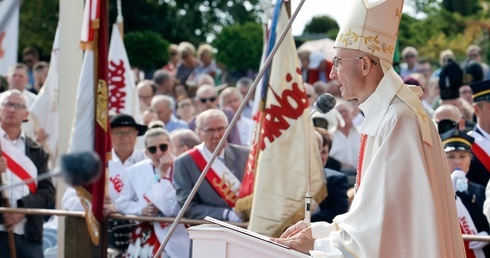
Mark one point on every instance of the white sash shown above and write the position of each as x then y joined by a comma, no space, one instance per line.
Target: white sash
481,141
467,225
221,170
25,163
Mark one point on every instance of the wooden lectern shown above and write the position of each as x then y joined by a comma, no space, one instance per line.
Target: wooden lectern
210,240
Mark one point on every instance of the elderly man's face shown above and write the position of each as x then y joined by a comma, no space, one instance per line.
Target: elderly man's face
18,79
145,95
347,73
13,111
207,100
123,139
211,131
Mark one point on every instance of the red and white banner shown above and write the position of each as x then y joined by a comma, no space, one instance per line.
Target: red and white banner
9,37
90,128
44,110
123,97
280,158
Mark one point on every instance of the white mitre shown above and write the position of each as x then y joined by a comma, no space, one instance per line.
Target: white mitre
372,28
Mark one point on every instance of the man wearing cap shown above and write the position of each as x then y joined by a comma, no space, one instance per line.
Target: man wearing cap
480,164
124,132
404,204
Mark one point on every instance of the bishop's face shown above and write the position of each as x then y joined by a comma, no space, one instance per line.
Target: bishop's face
347,72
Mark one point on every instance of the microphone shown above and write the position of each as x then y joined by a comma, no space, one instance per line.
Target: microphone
79,168
324,103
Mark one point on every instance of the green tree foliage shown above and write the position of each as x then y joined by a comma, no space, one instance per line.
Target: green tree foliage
192,20
322,24
240,47
37,25
146,49
443,29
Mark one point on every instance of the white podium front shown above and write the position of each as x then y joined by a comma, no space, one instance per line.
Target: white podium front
210,240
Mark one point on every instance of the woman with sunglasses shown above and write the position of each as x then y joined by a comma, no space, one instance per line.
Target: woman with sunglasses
148,191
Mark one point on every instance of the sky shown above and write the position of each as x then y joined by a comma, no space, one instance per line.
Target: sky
311,8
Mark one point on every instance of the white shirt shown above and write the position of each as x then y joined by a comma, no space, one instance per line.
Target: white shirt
345,148
71,201
245,128
143,185
20,144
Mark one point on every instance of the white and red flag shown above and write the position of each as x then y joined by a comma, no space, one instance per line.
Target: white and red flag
276,177
90,128
9,36
123,97
44,110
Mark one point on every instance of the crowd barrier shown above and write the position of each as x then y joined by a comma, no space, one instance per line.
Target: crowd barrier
119,216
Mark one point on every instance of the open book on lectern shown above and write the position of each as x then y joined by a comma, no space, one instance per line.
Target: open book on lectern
243,231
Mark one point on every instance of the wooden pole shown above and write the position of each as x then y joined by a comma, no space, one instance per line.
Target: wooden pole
6,202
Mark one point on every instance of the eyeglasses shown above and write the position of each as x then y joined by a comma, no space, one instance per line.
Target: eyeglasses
16,106
336,60
121,134
204,100
153,149
220,130
145,97
183,105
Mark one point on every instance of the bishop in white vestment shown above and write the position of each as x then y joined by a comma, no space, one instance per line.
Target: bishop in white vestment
404,205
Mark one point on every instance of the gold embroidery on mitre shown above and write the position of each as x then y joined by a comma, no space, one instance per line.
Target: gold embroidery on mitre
372,42
101,112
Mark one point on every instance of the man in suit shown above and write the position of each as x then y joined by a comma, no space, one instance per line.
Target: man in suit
217,195
480,163
22,158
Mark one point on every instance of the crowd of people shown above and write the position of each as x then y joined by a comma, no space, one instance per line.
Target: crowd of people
186,110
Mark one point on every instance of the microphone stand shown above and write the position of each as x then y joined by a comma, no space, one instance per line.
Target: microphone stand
56,172
308,194
228,130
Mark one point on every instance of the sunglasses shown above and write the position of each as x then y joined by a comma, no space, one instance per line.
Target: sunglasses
445,125
153,149
204,100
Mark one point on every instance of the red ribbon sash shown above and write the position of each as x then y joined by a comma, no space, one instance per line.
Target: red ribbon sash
214,180
20,172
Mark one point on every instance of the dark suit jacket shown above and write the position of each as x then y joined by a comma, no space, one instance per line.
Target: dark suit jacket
473,200
44,196
478,173
337,201
206,202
